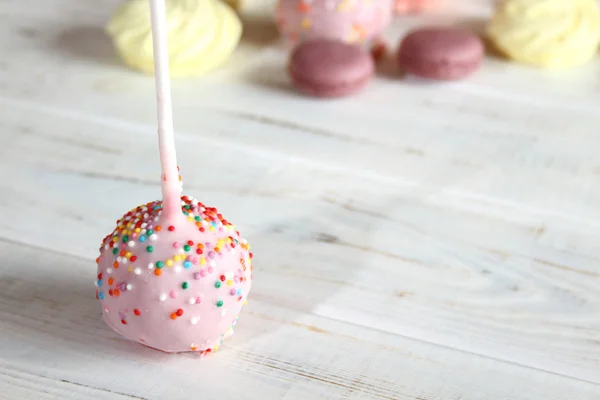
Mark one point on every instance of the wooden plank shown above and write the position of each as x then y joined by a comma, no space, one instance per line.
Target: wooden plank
417,241
16,384
464,279
278,352
509,153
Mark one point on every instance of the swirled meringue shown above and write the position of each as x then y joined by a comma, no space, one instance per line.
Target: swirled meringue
201,35
547,33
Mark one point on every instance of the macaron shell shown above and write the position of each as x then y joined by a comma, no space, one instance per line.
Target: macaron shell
324,61
329,90
440,70
440,53
330,68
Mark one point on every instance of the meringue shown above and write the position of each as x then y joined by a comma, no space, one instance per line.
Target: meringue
202,34
547,33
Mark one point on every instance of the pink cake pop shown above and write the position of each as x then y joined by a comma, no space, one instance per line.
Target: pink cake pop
351,21
174,274
412,6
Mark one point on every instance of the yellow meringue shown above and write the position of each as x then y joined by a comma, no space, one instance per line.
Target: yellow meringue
547,33
201,35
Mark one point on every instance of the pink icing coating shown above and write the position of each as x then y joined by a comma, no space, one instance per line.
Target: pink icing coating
352,21
175,299
412,6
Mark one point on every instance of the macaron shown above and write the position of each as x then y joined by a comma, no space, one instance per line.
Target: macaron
441,53
330,68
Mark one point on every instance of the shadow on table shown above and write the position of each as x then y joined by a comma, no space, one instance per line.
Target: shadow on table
302,263
91,43
272,77
259,30
58,312
88,43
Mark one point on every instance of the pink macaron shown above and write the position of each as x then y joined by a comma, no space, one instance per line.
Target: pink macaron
440,53
330,68
351,21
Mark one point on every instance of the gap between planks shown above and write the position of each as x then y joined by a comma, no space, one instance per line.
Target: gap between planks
13,372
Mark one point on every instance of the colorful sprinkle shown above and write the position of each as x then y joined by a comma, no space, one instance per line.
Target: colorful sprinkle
125,247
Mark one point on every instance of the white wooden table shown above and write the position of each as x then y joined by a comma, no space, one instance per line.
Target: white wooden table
419,241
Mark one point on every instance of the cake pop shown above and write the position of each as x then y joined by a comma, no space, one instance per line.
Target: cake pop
351,21
174,274
411,6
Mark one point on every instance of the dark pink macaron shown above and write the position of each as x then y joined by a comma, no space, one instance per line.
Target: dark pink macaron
440,53
330,68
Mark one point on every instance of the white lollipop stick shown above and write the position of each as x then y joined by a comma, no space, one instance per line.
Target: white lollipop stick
166,141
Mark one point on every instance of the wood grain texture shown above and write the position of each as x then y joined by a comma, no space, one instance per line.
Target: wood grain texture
415,242
280,350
